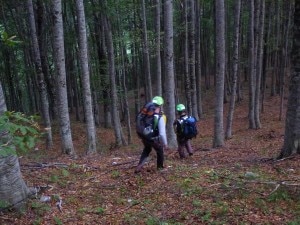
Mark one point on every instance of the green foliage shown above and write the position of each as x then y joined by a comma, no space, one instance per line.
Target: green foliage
6,39
19,132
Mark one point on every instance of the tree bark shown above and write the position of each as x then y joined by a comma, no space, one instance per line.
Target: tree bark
292,124
169,72
87,95
13,190
218,140
58,54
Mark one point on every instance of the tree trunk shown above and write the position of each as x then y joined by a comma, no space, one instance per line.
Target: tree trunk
158,55
292,124
112,74
259,62
13,190
236,42
87,95
169,72
40,74
58,54
252,64
220,73
146,54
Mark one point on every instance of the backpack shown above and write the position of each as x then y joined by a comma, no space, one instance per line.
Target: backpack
189,127
147,121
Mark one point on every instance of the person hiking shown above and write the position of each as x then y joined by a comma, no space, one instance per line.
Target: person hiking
184,134
153,135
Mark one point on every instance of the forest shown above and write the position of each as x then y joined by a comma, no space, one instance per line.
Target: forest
74,74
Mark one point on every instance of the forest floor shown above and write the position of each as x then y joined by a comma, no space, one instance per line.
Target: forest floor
240,183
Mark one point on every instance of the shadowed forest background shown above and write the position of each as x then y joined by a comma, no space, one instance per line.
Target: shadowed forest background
85,68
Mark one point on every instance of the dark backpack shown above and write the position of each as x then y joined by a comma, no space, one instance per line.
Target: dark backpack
147,121
189,127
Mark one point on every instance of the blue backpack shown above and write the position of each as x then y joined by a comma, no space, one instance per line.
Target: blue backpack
189,127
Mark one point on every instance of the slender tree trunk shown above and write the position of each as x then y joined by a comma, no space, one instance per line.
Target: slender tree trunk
58,54
40,74
112,73
236,41
193,59
220,73
146,54
158,55
169,72
87,95
198,72
187,77
259,62
252,66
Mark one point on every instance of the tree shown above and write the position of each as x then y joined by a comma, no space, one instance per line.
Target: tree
83,55
169,70
113,89
41,80
220,73
158,55
236,41
292,123
58,52
13,190
146,54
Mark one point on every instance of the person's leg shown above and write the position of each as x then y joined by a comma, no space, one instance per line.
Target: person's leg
188,147
160,154
181,149
144,155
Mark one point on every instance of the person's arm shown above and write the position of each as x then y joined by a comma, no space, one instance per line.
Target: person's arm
162,131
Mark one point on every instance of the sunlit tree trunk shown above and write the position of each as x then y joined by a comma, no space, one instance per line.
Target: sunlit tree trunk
218,140
59,59
169,72
292,124
87,95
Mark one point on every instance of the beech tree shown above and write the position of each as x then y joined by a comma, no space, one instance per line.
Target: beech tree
87,95
59,58
218,140
292,123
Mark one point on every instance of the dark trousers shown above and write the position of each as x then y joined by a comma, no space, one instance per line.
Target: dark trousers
183,144
148,145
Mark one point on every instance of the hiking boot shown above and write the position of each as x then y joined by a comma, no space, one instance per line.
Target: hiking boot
138,169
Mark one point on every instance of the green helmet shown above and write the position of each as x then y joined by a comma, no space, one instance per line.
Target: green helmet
180,107
158,100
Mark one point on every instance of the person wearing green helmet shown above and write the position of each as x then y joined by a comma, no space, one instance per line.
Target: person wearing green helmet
182,141
159,141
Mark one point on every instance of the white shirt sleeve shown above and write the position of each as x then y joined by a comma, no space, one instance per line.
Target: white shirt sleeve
162,131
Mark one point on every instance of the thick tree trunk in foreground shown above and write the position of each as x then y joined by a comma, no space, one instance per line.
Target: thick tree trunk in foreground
292,124
13,190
